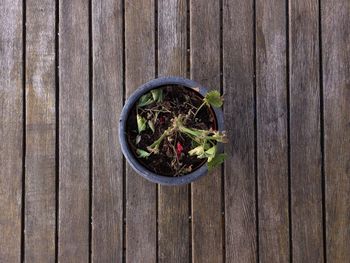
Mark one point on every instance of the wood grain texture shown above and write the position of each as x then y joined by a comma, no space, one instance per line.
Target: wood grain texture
238,67
336,76
40,194
206,193
173,222
141,215
73,217
11,129
107,198
305,151
272,131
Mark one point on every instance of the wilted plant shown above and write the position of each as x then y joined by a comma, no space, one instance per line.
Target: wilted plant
204,142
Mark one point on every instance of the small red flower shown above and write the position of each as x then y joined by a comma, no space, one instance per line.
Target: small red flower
179,149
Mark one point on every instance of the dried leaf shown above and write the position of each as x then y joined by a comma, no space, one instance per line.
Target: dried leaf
138,139
154,150
220,136
187,169
199,150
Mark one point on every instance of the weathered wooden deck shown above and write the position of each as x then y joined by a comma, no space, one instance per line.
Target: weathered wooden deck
66,194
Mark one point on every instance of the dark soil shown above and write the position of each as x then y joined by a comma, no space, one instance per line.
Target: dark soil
178,100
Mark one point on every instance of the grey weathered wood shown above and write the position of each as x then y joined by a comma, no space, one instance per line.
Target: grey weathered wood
272,131
305,151
206,193
11,129
238,66
73,217
40,190
173,222
141,241
107,201
336,76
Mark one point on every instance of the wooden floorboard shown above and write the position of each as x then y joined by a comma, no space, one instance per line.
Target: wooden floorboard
40,156
305,149
272,131
335,17
66,191
107,102
11,129
173,221
141,205
206,193
238,80
73,210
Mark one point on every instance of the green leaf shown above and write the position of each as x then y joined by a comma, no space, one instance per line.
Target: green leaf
210,153
142,153
216,161
151,125
157,95
145,100
214,99
141,123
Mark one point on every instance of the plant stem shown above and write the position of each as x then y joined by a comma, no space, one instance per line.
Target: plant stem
187,130
166,133
199,109
159,140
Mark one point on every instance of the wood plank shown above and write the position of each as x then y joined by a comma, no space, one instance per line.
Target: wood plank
206,193
305,151
141,225
336,76
11,129
73,224
173,223
40,194
107,201
272,131
238,70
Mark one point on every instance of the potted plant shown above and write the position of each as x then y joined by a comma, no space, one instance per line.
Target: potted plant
171,130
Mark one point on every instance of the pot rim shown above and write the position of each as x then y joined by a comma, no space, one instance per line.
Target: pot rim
130,157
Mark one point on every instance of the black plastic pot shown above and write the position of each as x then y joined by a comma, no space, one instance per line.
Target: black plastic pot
131,158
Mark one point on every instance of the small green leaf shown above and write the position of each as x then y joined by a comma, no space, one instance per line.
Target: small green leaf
214,99
216,161
157,95
151,125
145,100
141,123
142,153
